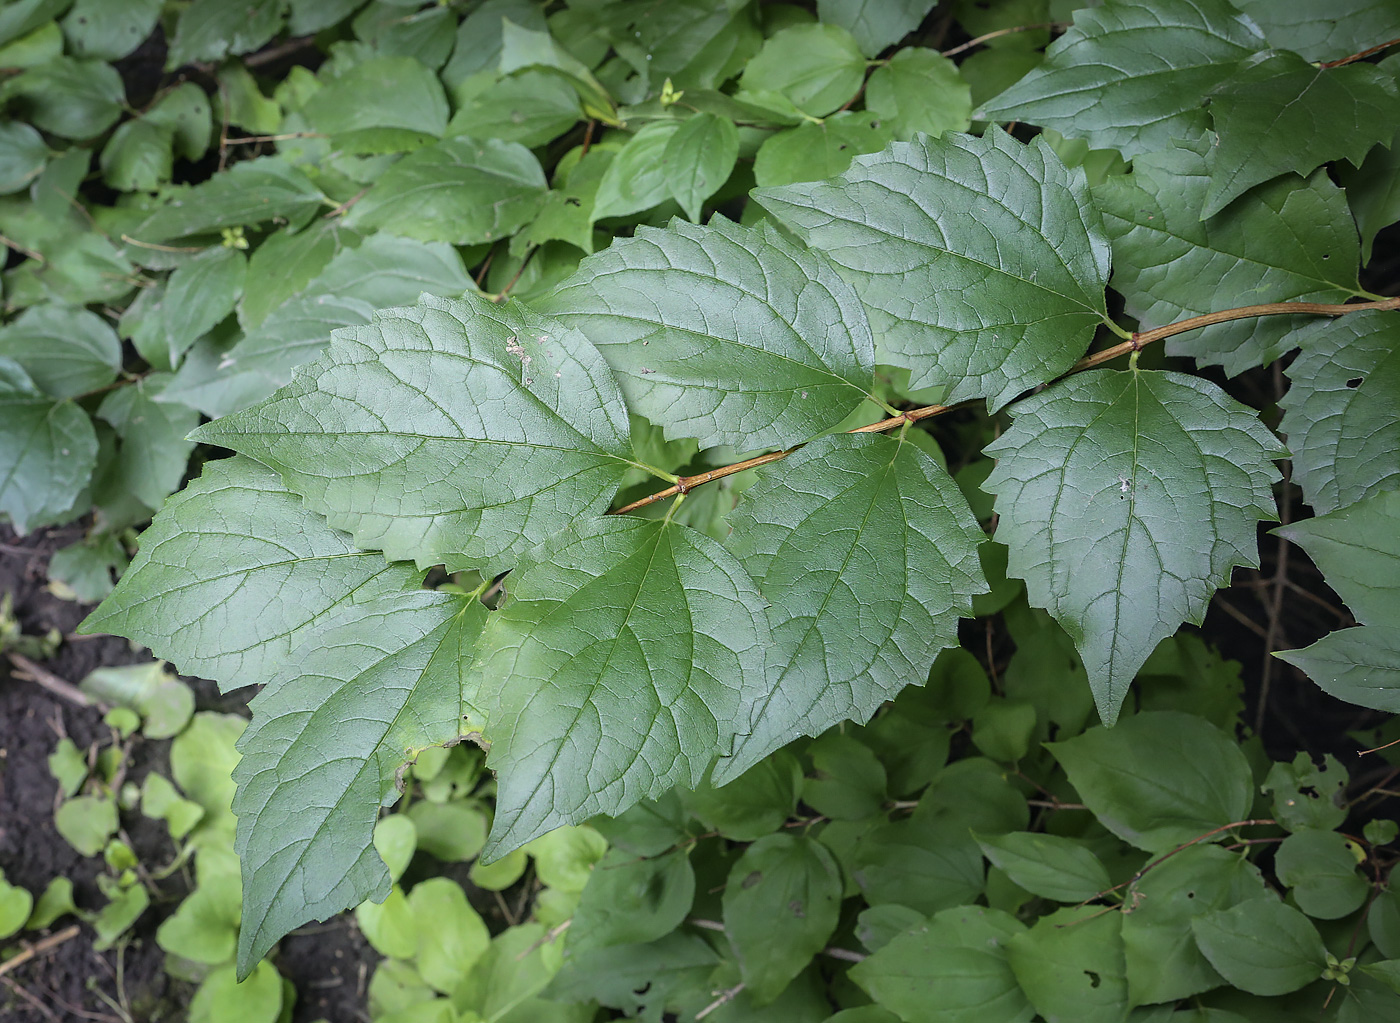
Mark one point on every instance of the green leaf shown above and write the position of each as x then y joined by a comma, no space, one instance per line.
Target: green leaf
287,261
728,334
383,271
699,158
523,47
55,901
1357,550
68,767
781,905
1373,188
1130,76
1305,795
847,781
202,758
204,927
638,979
478,45
919,90
981,261
1342,409
810,152
375,681
754,804
15,906
156,694
1126,497
1164,963
631,900
1071,965
459,190
381,105
223,998
117,917
184,112
107,31
1324,29
452,832
47,451
926,864
154,452
503,426
953,969
809,531
199,295
532,108
22,156
66,351
77,99
247,193
24,16
234,573
86,822
211,29
1279,113
1261,946
816,67
1320,868
451,935
596,697
160,800
1169,264
637,179
1137,784
138,157
1048,865
389,926
875,24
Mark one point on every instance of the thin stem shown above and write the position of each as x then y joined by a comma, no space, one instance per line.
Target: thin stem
1181,848
1359,56
1002,32
10,243
1136,343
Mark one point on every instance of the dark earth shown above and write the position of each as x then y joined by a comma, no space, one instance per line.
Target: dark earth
1282,605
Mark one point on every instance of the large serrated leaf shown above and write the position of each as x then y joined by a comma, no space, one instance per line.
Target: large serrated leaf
981,261
1342,409
1358,549
459,190
1279,113
384,271
369,685
1126,497
868,552
1325,29
728,334
627,659
1169,264
234,572
1130,75
47,451
450,431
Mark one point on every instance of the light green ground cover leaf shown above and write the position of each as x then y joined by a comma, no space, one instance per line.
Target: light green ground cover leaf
852,520
1050,866
875,23
154,452
625,661
1070,965
919,90
1358,549
211,29
632,900
234,572
1325,29
451,430
699,158
981,261
1279,113
728,334
459,190
1169,264
1126,497
77,99
47,451
383,104
1164,963
1342,409
382,271
637,178
816,67
65,350
1262,946
1159,778
812,151
247,193
369,685
1131,75
951,969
